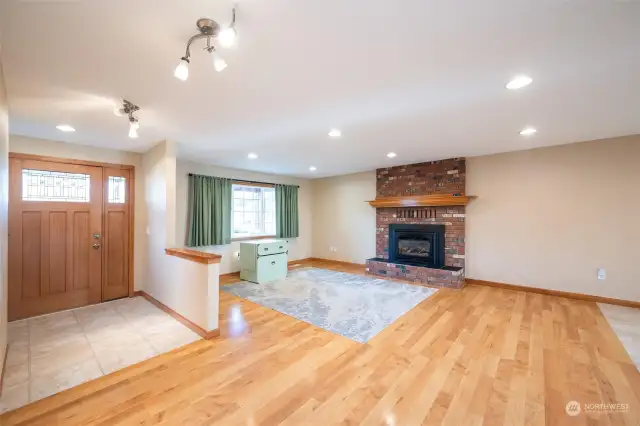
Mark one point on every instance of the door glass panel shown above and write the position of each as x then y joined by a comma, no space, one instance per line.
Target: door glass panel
44,185
117,190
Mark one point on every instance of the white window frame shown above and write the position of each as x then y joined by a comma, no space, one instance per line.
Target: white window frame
263,211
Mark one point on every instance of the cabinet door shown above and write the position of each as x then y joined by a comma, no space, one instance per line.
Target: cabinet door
271,268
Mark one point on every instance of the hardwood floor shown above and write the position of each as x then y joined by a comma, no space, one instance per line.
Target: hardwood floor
475,356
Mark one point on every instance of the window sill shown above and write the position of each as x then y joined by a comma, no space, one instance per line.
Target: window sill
254,237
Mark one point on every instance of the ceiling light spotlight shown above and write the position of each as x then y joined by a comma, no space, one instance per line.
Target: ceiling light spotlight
129,109
252,156
312,168
219,64
208,29
65,128
227,37
335,133
528,131
133,129
182,70
519,82
391,155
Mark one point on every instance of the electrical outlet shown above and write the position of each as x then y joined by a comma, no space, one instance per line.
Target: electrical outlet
602,274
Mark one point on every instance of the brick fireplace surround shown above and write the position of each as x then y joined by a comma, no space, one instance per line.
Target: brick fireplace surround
436,177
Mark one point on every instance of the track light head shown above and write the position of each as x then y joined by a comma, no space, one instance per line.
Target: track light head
129,109
182,70
219,64
133,130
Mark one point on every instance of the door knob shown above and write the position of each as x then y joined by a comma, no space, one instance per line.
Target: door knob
96,236
96,246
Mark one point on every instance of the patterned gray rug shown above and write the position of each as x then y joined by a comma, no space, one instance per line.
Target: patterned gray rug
354,306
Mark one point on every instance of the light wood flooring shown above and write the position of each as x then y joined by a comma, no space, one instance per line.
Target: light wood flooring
475,356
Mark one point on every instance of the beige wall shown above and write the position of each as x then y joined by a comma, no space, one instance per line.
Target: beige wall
50,148
4,200
342,218
299,248
545,218
158,170
551,217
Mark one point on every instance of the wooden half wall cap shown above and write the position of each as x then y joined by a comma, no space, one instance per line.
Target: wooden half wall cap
194,255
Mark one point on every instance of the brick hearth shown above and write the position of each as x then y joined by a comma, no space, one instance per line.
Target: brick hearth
437,177
418,274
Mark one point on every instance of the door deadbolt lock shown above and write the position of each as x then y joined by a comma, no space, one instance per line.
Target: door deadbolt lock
96,236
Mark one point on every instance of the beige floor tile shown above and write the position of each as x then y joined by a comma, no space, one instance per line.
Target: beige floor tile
18,332
46,362
16,374
59,335
168,343
53,321
171,336
119,332
17,354
55,352
56,341
68,377
98,324
139,309
114,355
14,397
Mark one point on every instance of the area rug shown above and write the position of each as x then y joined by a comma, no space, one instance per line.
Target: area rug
354,306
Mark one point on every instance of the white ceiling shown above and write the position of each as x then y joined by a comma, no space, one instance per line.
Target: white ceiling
422,78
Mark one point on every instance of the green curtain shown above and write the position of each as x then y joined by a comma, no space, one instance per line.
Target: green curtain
209,211
286,211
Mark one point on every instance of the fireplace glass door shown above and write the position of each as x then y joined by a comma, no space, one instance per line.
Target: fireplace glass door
412,247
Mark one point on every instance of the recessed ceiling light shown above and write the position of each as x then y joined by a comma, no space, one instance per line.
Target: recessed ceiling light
335,133
312,168
252,156
528,131
391,155
519,82
65,128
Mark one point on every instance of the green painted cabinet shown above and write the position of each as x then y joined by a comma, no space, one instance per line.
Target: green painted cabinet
262,261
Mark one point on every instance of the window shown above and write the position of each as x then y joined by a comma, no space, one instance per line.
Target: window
117,190
43,185
253,211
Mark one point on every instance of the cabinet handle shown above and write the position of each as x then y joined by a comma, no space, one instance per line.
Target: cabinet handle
273,263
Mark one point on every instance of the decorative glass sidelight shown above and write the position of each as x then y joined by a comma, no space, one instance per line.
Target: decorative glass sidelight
117,190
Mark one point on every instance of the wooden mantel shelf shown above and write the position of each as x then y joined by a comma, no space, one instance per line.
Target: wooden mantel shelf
422,201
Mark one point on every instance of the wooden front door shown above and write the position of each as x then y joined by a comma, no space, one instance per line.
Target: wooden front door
55,236
117,233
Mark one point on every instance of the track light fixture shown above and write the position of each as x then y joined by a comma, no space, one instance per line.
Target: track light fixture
208,28
128,109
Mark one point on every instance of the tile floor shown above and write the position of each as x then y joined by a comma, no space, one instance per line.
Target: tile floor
625,322
54,352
